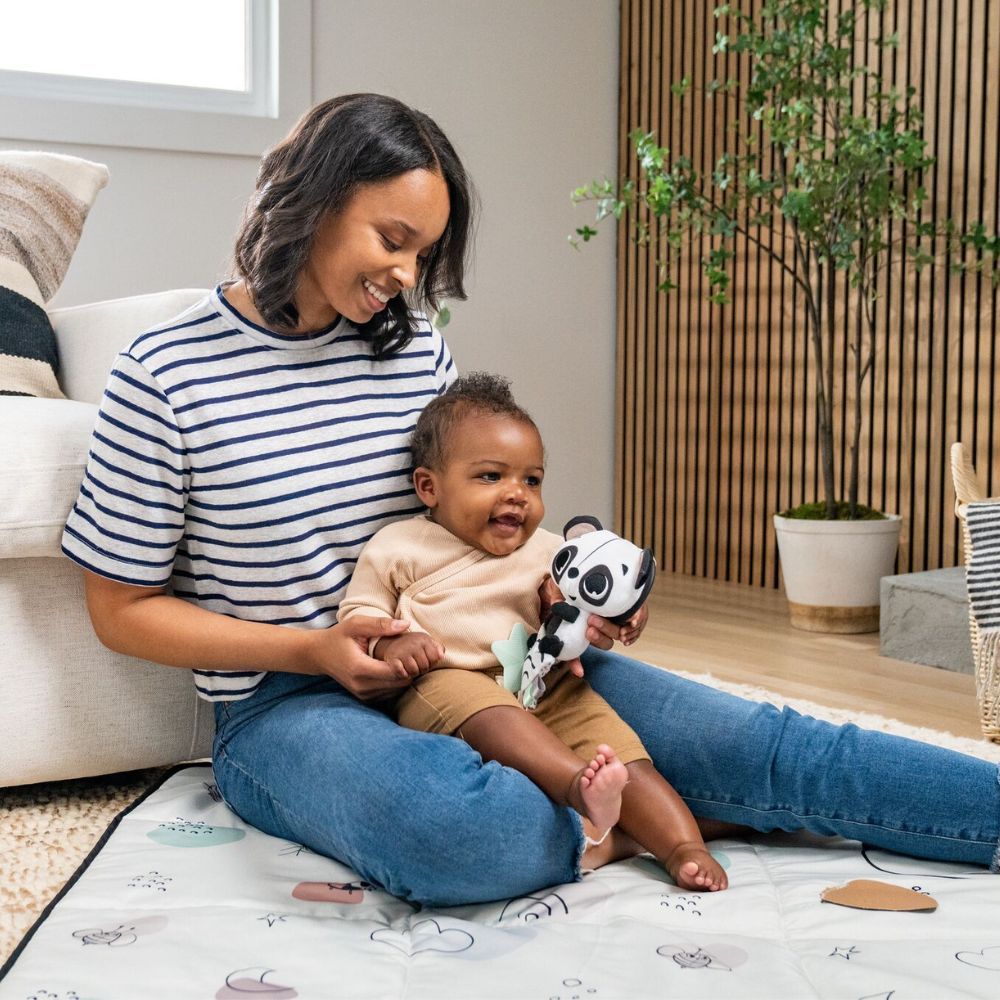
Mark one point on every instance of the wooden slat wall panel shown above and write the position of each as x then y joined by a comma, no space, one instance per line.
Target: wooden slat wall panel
716,406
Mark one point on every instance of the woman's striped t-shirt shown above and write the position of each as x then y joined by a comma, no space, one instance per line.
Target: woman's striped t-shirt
245,469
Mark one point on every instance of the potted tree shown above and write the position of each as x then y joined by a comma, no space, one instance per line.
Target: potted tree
826,148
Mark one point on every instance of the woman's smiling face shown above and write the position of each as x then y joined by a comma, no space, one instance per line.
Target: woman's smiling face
372,249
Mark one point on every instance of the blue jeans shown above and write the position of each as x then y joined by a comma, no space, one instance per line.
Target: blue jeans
423,816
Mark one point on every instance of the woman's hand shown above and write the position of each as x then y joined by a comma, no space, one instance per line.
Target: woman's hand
602,633
632,629
341,652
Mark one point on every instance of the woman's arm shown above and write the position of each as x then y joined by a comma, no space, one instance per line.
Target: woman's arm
151,624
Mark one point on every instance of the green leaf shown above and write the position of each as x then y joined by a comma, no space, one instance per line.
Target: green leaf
443,317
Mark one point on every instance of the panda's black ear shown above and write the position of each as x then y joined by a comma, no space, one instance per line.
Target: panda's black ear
581,525
647,572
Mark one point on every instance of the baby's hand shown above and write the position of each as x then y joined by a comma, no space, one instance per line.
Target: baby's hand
410,654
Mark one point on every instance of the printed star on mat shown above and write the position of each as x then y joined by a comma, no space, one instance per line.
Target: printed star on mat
273,918
844,953
294,850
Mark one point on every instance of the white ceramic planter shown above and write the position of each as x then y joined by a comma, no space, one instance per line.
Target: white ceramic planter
832,570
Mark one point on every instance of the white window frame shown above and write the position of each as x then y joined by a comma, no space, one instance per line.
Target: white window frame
78,110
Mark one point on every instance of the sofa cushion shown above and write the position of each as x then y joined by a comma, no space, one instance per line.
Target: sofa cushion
45,453
44,201
70,706
91,335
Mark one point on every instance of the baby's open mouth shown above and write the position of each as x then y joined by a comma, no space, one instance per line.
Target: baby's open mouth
508,520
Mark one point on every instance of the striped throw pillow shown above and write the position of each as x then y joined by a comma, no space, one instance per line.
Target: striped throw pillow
44,200
982,573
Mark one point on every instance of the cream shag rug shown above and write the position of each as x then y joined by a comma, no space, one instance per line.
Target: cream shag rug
47,830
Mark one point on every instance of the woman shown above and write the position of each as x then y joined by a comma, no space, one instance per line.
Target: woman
246,451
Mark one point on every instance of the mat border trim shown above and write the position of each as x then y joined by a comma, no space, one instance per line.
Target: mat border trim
94,851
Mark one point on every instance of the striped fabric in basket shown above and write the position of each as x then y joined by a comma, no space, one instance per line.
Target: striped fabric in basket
983,569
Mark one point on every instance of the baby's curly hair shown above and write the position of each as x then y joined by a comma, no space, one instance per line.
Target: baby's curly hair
475,393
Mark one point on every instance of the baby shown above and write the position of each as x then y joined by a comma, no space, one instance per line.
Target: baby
464,574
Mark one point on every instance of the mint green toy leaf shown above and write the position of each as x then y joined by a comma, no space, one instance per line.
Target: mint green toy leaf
510,653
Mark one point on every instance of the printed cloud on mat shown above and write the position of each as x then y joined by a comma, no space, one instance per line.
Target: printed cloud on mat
425,935
185,833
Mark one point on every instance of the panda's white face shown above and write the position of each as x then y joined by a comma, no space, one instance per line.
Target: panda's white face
599,572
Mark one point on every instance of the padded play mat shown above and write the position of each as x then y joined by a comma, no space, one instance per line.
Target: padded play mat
183,900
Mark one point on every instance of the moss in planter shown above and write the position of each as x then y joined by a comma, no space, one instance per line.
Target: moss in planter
817,512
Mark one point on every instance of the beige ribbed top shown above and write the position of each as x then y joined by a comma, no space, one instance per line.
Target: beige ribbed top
466,599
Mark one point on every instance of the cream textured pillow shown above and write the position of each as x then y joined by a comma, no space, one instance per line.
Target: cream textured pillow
44,201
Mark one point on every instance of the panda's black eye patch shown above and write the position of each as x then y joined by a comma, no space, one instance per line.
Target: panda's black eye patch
597,585
563,558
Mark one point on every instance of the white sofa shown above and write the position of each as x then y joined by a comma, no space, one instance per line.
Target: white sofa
70,707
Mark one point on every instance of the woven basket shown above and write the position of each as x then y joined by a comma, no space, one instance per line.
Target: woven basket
986,656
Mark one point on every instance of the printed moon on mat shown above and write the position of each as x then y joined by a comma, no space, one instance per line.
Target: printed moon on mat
529,908
184,833
251,982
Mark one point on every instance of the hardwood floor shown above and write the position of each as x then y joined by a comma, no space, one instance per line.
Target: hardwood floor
741,634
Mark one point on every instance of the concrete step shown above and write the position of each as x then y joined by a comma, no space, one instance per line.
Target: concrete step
925,619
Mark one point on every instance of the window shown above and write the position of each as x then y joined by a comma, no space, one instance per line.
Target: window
225,76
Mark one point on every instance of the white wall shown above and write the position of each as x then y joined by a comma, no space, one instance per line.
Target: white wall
165,220
527,91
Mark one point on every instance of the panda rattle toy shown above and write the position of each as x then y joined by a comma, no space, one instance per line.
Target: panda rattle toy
599,573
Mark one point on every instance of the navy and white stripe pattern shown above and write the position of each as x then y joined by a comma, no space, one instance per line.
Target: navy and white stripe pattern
983,571
246,469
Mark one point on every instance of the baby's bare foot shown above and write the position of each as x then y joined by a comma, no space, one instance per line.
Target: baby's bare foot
692,867
597,790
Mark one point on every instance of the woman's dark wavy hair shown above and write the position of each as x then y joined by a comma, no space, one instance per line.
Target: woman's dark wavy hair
337,146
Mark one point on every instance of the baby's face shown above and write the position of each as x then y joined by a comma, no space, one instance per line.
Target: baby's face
489,492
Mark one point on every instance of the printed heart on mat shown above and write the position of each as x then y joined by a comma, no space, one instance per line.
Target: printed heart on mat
988,958
426,935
